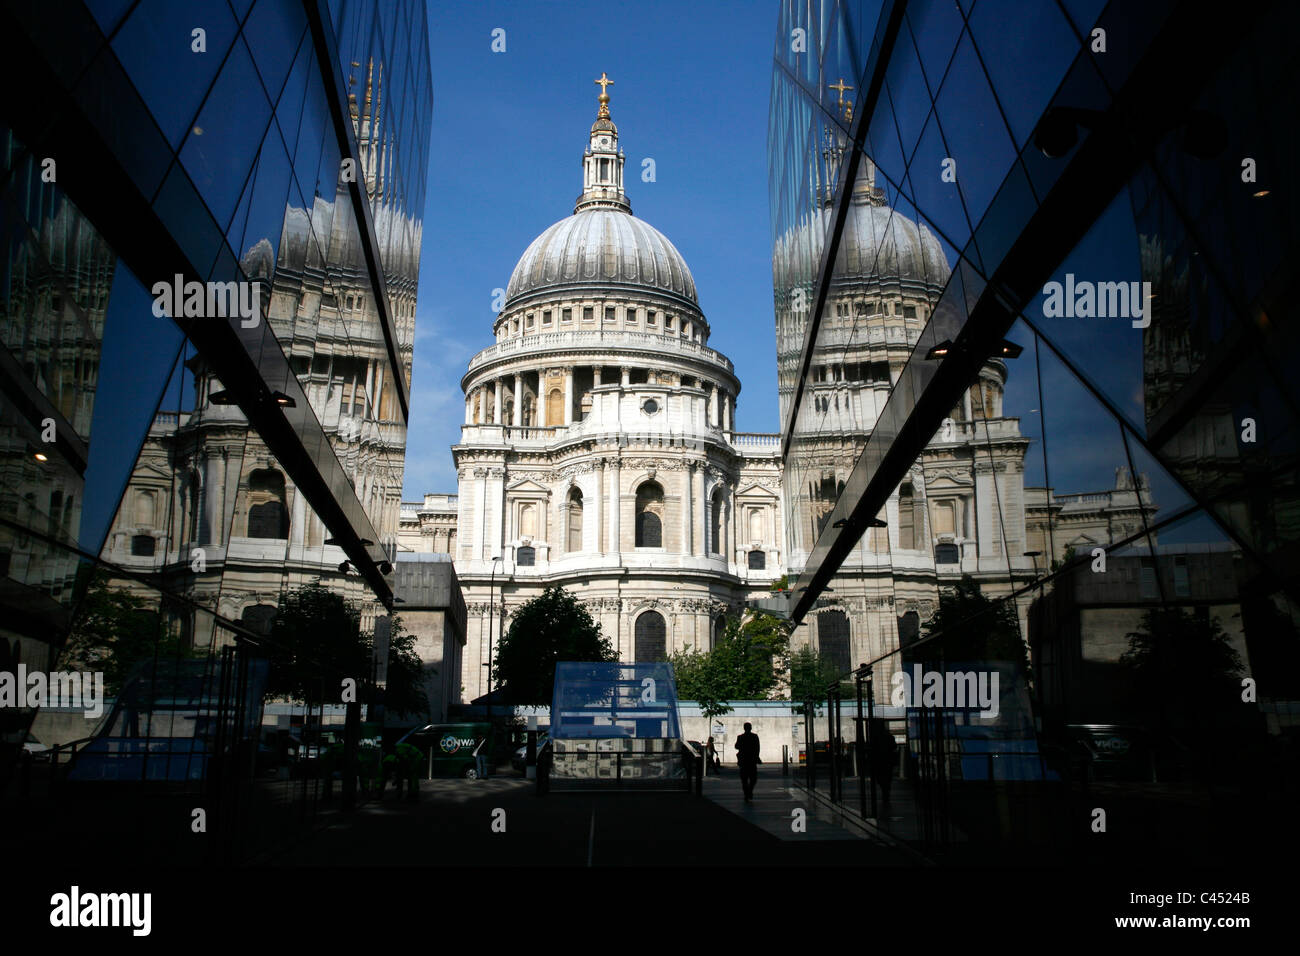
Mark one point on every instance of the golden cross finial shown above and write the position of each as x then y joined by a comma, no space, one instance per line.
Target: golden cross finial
603,99
839,85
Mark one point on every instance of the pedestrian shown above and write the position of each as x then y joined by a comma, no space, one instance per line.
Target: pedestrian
711,754
481,760
747,759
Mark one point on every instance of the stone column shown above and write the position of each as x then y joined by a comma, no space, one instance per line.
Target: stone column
541,398
496,406
729,535
701,512
625,374
688,476
469,407
598,506
595,376
480,523
518,417
713,404
615,490
568,397
726,412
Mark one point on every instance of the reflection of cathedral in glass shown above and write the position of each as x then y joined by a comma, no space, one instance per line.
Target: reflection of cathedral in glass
963,507
205,481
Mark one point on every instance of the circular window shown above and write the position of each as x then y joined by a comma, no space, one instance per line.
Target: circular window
604,141
650,406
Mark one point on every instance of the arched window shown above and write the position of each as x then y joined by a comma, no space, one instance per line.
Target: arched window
651,637
267,515
833,639
718,527
946,554
909,628
555,407
525,557
259,618
719,628
575,520
528,521
649,515
757,560
755,525
906,518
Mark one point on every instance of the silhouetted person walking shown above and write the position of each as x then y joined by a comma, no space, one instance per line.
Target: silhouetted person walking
747,759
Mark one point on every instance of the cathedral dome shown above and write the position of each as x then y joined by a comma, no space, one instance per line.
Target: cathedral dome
877,244
606,247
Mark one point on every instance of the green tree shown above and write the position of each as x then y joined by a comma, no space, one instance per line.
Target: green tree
404,691
1185,669
552,627
747,662
316,642
810,675
114,630
969,626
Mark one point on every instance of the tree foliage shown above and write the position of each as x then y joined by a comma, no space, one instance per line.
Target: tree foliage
747,662
811,674
114,630
1184,667
315,642
973,627
404,691
552,627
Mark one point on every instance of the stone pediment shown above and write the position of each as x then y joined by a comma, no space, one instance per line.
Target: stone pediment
753,489
527,485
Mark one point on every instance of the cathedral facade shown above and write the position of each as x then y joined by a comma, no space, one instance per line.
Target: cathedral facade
599,451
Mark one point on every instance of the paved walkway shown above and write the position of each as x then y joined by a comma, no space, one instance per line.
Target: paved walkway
452,824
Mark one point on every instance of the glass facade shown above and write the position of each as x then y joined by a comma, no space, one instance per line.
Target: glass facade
1031,296
213,226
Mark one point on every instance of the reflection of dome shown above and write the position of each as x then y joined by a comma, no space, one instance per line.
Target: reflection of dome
877,244
880,242
600,246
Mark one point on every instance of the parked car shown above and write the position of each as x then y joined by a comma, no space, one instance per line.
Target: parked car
520,757
39,752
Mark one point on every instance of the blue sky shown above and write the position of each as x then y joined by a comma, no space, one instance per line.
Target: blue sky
691,89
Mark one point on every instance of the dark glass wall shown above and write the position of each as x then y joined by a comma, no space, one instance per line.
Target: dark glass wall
1037,416
177,480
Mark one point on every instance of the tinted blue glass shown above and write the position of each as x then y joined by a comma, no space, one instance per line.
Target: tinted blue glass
270,188
1107,347
273,33
107,13
1026,49
973,130
938,199
936,25
182,210
226,137
908,92
139,352
155,46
